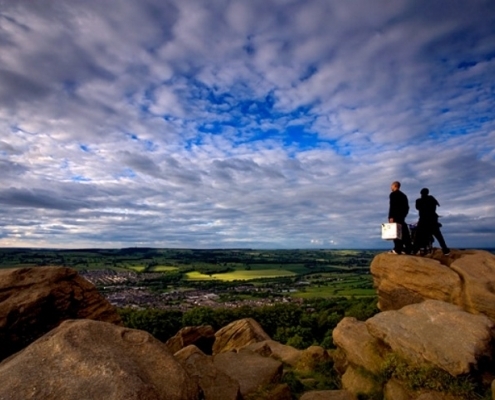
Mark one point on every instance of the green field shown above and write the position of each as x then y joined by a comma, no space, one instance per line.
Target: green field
241,275
163,268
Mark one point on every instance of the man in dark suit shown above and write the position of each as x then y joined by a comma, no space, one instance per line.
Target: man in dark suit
398,210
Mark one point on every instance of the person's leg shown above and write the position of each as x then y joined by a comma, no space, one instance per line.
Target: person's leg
398,246
419,238
441,241
406,238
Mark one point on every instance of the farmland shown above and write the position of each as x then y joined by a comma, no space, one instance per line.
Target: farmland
235,275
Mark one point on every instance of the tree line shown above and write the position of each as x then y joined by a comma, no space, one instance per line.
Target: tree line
297,325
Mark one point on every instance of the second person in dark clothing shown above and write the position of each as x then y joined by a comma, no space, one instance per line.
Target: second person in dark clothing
428,224
398,210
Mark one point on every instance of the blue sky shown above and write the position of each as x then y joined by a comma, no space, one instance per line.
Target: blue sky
262,124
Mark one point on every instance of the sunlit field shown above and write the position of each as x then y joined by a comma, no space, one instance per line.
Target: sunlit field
241,275
163,268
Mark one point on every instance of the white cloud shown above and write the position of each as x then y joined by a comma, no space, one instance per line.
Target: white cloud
264,123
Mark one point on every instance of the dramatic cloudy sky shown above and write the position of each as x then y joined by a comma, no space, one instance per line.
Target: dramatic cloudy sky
235,123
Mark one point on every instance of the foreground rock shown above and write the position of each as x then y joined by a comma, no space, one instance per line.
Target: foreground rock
271,348
436,332
328,395
214,383
35,300
251,370
95,360
431,334
238,334
200,336
465,278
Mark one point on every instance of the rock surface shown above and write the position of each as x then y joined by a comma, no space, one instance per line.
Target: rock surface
270,348
435,332
312,357
88,359
251,370
360,348
35,300
238,334
214,383
328,395
200,336
465,278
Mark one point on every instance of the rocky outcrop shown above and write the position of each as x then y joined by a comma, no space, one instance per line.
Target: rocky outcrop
312,357
251,370
214,383
465,278
271,348
438,315
360,348
88,359
435,332
200,336
431,334
33,301
238,334
328,395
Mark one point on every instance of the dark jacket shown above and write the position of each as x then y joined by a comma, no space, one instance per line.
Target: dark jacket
427,207
399,206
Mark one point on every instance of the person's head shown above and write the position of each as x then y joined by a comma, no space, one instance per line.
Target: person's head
395,186
424,192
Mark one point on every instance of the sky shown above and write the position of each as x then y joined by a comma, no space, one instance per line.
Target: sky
243,124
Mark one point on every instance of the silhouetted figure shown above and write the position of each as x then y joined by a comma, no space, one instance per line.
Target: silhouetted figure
428,224
398,210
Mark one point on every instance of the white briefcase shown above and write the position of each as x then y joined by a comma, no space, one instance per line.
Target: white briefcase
391,231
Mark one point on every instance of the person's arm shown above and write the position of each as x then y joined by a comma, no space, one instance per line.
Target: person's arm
390,218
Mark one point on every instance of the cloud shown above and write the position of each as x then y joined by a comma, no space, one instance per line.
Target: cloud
243,124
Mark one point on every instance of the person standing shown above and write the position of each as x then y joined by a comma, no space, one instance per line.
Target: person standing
398,210
428,224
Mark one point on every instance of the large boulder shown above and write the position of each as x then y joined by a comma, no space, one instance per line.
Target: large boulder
33,301
465,278
435,332
312,357
360,348
271,348
85,359
328,395
405,280
251,370
200,336
238,334
214,383
359,384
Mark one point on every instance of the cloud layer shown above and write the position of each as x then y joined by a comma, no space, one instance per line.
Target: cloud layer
274,123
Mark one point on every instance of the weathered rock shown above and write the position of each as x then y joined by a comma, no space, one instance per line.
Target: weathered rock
476,269
251,370
214,383
271,348
465,278
200,336
33,301
405,280
435,332
85,359
328,395
311,357
277,392
361,349
394,390
238,334
359,384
